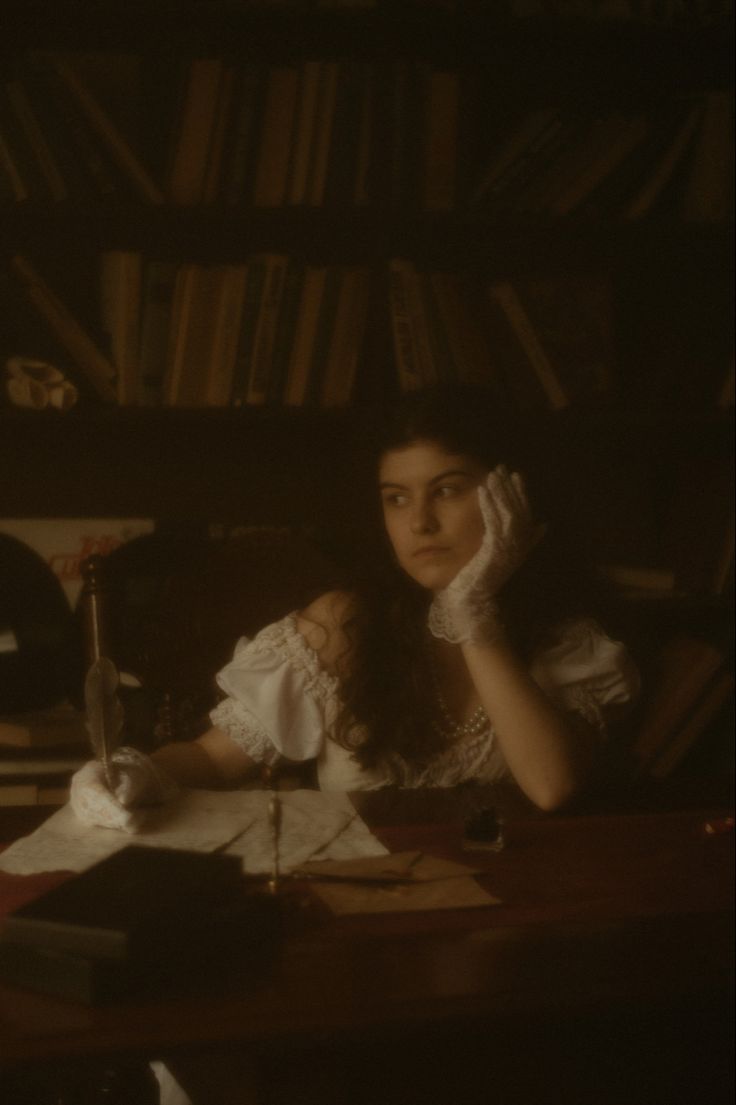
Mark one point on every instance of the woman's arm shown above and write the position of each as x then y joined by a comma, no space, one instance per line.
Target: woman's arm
215,759
212,760
548,751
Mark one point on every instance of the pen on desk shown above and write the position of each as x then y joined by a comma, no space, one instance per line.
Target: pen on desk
274,820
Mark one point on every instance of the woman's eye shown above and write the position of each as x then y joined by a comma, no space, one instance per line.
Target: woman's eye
447,490
395,500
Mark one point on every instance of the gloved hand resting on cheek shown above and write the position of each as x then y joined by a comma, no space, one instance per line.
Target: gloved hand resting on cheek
137,783
466,610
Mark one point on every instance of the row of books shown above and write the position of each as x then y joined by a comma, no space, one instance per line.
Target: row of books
39,752
269,329
544,343
273,328
321,132
347,134
555,161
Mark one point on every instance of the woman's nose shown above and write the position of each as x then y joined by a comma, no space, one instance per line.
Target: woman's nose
423,519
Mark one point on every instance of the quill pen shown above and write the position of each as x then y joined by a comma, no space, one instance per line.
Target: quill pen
104,712
274,820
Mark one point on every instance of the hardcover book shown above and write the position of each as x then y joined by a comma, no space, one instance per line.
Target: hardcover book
141,918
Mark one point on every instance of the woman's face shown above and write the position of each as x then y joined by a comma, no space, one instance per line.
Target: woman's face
431,510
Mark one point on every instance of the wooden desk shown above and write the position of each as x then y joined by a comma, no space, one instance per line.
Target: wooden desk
605,976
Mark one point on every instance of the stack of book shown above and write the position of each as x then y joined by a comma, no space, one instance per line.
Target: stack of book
557,161
39,752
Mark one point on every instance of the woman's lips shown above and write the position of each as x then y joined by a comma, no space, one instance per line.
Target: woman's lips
429,551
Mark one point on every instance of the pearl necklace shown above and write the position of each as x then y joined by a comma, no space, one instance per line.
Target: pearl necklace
454,730
446,725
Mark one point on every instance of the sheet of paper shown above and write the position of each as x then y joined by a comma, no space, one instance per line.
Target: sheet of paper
205,821
311,822
401,897
398,867
199,820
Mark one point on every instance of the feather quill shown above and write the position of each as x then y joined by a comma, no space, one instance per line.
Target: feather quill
104,712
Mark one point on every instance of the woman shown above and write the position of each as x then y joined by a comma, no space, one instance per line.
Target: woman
457,656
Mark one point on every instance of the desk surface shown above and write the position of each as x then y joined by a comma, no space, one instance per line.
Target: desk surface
614,910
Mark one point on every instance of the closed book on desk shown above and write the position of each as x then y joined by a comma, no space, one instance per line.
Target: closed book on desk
138,920
125,905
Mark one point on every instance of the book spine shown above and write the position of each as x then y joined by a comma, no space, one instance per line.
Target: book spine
347,337
17,190
226,334
323,334
442,108
266,328
121,274
300,360
512,148
304,131
269,186
159,280
214,165
647,195
322,140
194,133
98,370
625,137
184,285
407,363
106,130
364,187
285,329
42,151
254,285
506,297
244,139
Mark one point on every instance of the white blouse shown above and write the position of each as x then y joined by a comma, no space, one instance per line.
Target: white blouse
280,702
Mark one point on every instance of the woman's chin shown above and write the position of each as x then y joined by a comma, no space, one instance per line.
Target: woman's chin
432,577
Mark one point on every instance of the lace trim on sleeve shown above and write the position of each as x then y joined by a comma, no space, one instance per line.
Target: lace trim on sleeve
581,700
243,728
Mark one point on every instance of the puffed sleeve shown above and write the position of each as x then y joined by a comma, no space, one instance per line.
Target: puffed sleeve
280,702
586,671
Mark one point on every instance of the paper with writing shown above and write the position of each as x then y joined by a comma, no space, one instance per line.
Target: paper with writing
398,867
201,820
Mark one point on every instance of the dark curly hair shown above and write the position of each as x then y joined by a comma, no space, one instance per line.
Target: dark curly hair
387,688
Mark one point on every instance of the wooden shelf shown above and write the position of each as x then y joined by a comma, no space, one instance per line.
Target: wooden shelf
267,466
468,31
461,238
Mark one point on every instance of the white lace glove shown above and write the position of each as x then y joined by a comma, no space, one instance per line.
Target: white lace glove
138,782
466,610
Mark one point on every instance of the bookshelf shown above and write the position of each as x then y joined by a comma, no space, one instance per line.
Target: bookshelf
411,201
